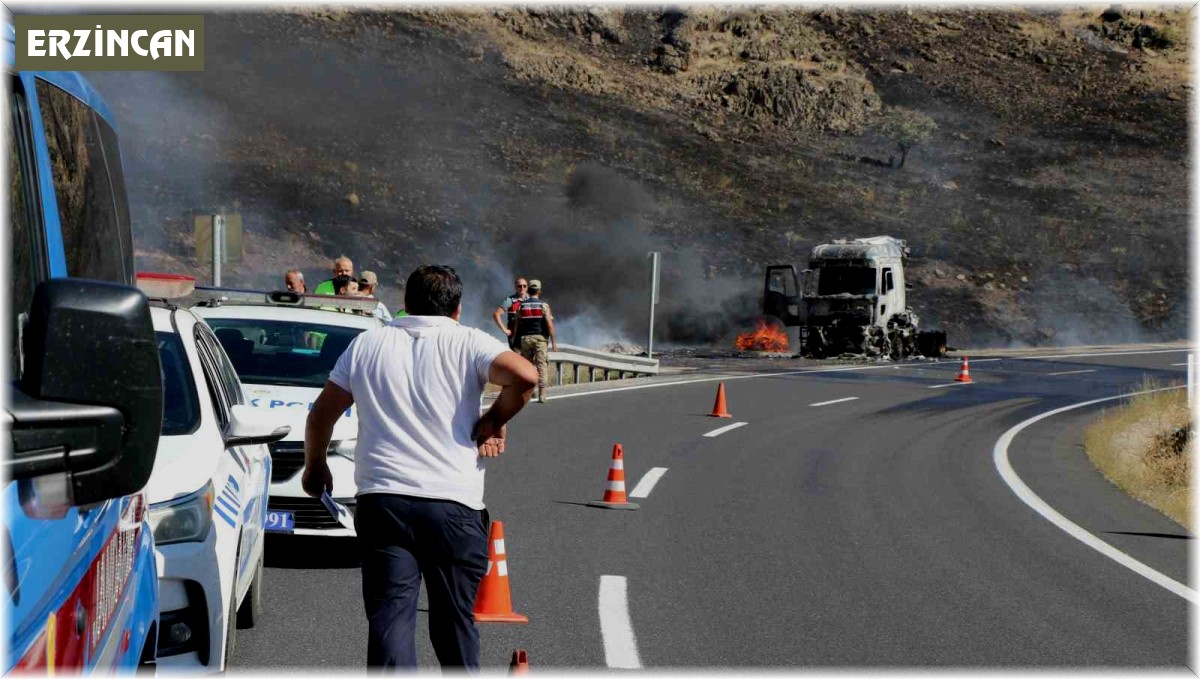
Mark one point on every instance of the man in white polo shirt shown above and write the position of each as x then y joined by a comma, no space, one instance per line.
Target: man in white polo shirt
419,465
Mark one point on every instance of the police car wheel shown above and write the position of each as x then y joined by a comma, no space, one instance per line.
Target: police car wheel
251,608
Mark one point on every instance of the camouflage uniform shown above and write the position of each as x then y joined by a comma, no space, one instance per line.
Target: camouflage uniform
532,330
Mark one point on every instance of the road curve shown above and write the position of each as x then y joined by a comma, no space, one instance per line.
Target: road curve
872,531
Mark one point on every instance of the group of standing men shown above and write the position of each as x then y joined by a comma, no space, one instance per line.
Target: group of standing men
343,282
529,327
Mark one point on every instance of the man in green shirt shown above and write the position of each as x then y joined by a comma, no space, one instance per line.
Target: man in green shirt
342,266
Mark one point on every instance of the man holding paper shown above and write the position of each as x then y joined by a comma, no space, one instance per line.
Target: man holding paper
419,465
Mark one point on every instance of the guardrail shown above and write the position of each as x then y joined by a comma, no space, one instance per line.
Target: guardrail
597,365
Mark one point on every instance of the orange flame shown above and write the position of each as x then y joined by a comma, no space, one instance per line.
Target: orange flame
764,338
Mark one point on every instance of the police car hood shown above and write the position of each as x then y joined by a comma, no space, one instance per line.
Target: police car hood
294,403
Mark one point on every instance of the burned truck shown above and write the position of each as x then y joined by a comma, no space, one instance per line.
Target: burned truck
852,299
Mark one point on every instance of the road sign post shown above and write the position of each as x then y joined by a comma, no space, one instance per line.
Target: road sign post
219,238
218,229
654,264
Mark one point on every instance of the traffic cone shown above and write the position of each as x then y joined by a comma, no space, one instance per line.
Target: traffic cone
719,406
614,492
964,374
520,663
493,602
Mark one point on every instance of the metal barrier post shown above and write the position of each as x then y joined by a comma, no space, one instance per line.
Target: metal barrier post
1191,379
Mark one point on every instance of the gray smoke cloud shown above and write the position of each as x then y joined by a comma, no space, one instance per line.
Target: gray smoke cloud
439,146
282,133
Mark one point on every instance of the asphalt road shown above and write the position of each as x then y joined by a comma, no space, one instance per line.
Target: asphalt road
873,532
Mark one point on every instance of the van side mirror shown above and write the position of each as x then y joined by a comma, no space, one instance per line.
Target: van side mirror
908,286
88,408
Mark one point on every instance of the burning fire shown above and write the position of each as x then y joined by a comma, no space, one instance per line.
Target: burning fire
766,337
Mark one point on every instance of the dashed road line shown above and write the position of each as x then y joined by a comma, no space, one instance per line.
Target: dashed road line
949,384
732,378
1071,372
817,371
717,432
1178,364
829,403
643,488
1000,459
620,647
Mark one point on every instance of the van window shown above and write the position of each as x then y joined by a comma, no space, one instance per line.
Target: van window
888,285
88,187
24,256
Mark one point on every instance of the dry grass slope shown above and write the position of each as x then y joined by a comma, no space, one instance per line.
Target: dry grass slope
1143,448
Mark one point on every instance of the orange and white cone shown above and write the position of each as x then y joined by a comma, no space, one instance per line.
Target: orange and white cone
719,409
614,491
520,662
964,374
493,602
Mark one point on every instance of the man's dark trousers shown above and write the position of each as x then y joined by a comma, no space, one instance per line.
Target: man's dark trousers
404,538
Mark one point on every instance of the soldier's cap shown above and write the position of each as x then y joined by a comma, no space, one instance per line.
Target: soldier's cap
535,284
368,278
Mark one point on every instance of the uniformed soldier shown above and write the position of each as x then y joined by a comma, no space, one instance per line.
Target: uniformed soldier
535,324
509,308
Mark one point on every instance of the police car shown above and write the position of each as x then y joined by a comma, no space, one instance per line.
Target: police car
208,495
283,346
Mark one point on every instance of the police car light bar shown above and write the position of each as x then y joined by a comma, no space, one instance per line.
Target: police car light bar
208,296
165,285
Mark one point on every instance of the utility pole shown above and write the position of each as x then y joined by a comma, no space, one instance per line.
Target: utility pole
654,264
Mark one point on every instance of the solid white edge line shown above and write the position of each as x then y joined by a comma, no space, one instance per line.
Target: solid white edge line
1109,353
731,378
1071,372
1000,458
829,403
717,432
649,479
949,384
620,648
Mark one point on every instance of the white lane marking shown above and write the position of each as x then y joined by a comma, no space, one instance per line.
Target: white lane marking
643,488
1071,372
731,378
949,384
1178,364
829,403
1000,458
717,432
620,648
1109,353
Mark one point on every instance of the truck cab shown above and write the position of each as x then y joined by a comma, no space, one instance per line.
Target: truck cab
852,299
84,391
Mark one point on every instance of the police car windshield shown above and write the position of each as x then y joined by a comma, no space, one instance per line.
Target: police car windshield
282,352
181,410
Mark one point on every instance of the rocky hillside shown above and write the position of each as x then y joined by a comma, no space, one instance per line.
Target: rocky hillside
1045,203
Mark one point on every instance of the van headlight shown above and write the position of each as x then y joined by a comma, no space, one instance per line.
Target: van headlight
185,519
345,448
